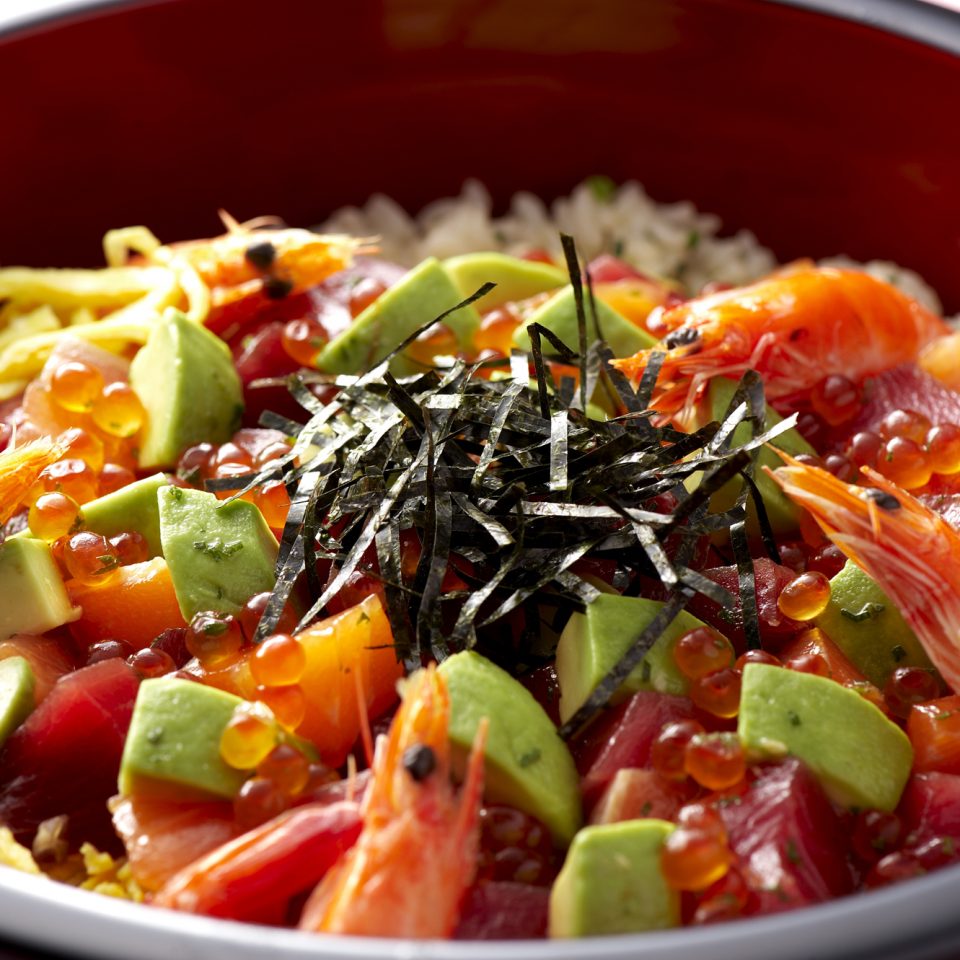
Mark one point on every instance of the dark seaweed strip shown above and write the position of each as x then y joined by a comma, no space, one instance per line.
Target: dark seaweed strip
499,419
543,391
274,421
747,583
464,632
366,536
585,592
638,649
547,569
500,535
763,519
304,395
706,586
558,452
592,301
429,621
576,281
648,380
388,559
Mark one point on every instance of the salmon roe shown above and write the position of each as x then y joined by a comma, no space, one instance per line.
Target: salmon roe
214,639
693,859
288,768
303,340
287,703
249,736
274,503
718,693
805,597
52,516
72,477
258,800
715,760
905,462
905,423
942,444
667,753
836,399
83,445
278,661
702,651
90,558
118,411
75,386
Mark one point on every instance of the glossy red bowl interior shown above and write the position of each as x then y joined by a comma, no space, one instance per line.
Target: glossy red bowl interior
820,134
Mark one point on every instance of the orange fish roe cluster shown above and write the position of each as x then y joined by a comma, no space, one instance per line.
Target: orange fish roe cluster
805,597
706,658
697,853
907,448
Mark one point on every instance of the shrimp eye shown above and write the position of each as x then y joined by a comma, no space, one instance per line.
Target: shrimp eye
884,500
261,255
419,761
276,288
682,337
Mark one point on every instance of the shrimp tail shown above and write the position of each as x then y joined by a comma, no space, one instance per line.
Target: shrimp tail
19,470
910,551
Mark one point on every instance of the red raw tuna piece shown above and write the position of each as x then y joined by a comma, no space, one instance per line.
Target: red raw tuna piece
770,579
946,504
906,387
499,910
790,841
623,737
65,757
930,807
609,269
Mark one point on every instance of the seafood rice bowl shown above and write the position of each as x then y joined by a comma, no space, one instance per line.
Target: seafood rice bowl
569,572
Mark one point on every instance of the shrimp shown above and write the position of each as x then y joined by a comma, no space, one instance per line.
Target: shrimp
912,552
19,469
794,328
417,853
258,257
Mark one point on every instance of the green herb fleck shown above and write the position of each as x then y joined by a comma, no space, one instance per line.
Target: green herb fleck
794,718
530,757
645,672
867,612
898,653
793,854
176,493
602,187
646,808
217,549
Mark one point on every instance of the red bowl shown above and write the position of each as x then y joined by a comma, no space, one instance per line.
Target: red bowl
823,135
825,126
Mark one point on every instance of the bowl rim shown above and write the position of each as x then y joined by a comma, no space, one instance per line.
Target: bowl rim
104,927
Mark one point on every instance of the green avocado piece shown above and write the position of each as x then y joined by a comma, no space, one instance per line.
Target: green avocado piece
861,758
33,598
867,626
559,316
417,298
611,882
593,642
527,765
172,750
782,512
16,694
219,554
185,379
515,279
131,509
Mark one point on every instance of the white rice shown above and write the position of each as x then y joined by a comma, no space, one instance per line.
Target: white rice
672,241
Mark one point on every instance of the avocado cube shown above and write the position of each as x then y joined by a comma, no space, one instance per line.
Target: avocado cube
559,316
515,279
172,750
185,379
867,626
593,642
33,598
782,512
16,694
219,554
861,758
131,509
611,882
417,298
527,765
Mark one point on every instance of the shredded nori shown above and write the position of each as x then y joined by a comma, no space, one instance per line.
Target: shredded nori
502,483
